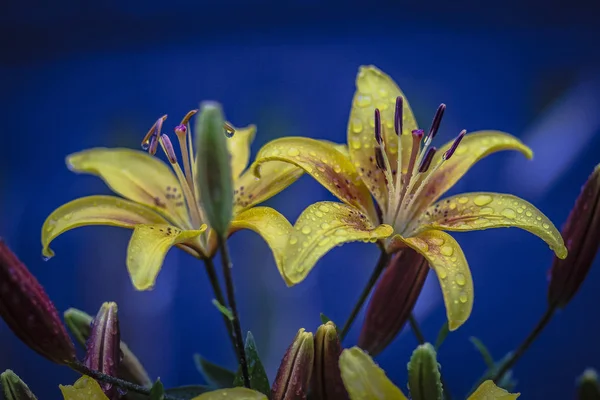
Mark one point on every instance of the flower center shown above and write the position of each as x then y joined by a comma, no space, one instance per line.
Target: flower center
405,189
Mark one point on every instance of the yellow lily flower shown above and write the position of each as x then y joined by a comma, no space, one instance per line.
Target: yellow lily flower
162,205
388,158
364,380
88,389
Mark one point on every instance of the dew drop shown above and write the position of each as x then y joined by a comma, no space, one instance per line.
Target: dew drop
146,145
306,230
509,213
357,125
437,241
363,101
460,279
452,206
318,214
324,208
546,226
486,211
482,200
355,144
441,272
447,250
324,242
463,297
341,232
68,216
528,213
538,218
293,240
463,200
324,225
293,152
337,169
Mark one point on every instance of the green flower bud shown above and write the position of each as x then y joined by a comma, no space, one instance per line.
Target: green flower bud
296,367
213,167
588,388
327,379
424,380
14,388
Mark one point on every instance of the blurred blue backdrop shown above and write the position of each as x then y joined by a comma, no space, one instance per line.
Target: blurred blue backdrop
76,74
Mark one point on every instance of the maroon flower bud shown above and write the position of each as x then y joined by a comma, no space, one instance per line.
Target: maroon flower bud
293,376
28,311
103,346
582,238
327,378
393,300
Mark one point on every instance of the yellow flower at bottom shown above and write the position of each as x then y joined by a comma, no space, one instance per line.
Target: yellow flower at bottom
364,380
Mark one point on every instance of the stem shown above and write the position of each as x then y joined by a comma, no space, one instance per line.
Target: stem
381,263
227,266
414,326
526,343
214,281
81,368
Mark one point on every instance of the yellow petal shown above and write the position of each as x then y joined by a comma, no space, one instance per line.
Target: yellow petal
489,391
232,394
375,89
95,210
364,380
323,162
482,210
239,147
274,177
147,249
135,175
449,263
472,148
320,227
85,388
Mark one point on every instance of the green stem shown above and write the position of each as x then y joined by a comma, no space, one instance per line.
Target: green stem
381,263
526,343
227,266
214,281
99,376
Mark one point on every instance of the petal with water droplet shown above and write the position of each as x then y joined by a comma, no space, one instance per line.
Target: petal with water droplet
449,263
364,379
147,249
95,210
324,162
489,391
232,394
239,147
298,248
137,176
485,210
85,388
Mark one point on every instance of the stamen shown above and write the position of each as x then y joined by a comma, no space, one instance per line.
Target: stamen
435,125
182,135
153,144
427,160
417,135
146,139
378,136
379,159
168,146
452,148
187,117
398,116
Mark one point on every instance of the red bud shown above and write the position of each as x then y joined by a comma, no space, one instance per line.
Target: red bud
293,376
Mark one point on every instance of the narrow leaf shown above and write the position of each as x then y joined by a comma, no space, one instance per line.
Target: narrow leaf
215,376
487,357
442,336
157,392
187,392
224,310
258,377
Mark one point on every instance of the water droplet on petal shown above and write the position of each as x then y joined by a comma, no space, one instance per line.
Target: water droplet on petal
441,272
324,208
293,152
357,125
482,200
447,250
293,240
463,200
324,225
460,279
306,230
463,297
509,213
546,226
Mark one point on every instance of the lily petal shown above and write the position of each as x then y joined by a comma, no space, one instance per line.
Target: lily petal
483,210
489,391
232,394
135,175
274,177
85,388
147,249
375,89
364,379
95,210
323,162
472,148
239,147
320,227
449,263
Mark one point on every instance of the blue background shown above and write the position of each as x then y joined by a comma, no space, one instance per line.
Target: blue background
75,75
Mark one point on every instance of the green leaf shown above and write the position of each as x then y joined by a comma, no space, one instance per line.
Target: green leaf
216,376
157,392
187,392
507,382
487,357
258,377
442,336
224,310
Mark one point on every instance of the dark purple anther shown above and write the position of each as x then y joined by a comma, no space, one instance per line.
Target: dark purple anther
180,130
398,116
427,160
457,141
169,149
153,144
378,136
437,119
379,158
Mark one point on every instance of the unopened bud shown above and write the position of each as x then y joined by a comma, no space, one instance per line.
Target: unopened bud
213,168
295,370
424,380
130,368
327,379
582,239
103,351
28,311
393,300
587,386
14,388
